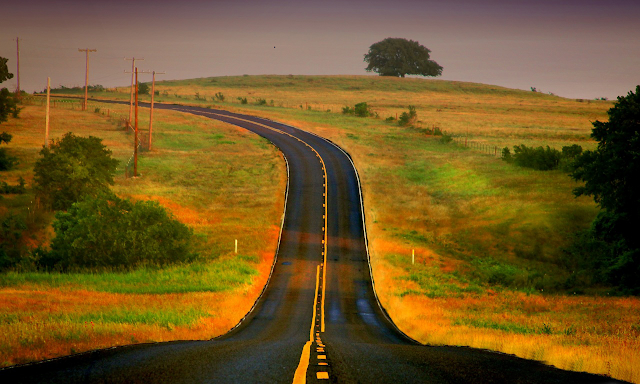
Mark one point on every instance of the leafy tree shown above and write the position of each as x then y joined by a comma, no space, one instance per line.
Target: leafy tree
143,89
6,162
11,246
109,232
612,176
72,167
7,100
399,57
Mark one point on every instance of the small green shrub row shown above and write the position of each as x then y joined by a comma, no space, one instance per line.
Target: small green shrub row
542,159
360,110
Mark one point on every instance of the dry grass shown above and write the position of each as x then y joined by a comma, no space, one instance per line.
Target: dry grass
471,218
488,236
198,170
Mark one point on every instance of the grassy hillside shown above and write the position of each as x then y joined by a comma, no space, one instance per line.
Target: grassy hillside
490,269
198,170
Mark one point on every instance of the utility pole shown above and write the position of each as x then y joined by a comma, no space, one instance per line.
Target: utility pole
133,65
153,92
135,141
46,119
86,76
18,63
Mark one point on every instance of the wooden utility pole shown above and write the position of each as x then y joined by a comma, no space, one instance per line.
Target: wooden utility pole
135,141
133,65
18,69
46,118
86,76
153,92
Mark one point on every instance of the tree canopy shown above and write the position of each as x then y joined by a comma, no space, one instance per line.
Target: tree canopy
71,168
399,57
7,102
109,232
612,176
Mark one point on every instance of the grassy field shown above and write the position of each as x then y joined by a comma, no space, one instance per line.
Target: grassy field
490,270
199,170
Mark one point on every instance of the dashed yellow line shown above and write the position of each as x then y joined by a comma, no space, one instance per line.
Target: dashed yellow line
300,376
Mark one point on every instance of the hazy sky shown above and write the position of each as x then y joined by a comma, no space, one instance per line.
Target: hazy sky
577,48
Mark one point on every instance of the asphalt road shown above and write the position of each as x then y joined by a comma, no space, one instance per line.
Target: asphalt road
318,319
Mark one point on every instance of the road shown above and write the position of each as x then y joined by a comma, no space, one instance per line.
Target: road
318,320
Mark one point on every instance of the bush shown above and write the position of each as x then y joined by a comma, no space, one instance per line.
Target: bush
542,159
6,161
260,101
408,118
348,110
143,89
219,96
71,168
11,247
362,110
19,189
107,232
243,100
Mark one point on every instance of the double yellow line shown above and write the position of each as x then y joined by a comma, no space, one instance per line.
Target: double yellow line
300,375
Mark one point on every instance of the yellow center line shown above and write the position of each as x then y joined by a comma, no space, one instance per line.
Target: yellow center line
325,182
300,376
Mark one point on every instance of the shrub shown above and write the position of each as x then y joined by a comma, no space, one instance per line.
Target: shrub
408,118
70,168
362,110
219,96
506,155
143,89
106,232
6,161
542,159
348,110
17,189
243,100
11,229
260,101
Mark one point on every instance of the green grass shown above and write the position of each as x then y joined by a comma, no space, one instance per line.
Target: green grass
223,275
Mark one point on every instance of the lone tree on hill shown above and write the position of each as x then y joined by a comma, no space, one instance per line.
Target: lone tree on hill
612,176
399,57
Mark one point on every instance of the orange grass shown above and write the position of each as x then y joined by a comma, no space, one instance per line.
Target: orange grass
500,209
40,322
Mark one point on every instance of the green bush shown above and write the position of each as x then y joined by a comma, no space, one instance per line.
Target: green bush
408,118
243,100
143,89
348,110
6,161
11,247
542,159
19,189
106,232
260,101
71,168
219,96
362,110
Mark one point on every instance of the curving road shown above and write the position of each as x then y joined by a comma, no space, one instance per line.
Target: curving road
318,319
